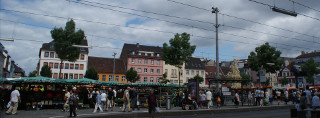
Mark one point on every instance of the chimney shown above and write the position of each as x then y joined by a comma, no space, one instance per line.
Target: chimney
138,45
302,53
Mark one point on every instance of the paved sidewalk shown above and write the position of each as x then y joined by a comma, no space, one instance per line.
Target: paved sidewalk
143,112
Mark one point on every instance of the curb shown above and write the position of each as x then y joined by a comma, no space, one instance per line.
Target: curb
186,112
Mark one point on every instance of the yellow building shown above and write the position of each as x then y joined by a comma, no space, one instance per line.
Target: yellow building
104,67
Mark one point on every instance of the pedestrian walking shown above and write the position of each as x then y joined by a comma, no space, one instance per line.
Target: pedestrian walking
249,98
202,99
104,100
286,94
14,100
152,103
278,93
135,98
126,100
209,98
315,101
237,98
98,103
308,96
110,99
114,97
73,104
66,97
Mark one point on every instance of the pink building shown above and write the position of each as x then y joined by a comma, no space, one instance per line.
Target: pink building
146,60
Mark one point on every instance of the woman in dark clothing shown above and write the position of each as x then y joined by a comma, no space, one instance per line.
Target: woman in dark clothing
152,103
72,104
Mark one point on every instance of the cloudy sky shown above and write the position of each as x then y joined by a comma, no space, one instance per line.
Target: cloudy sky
109,24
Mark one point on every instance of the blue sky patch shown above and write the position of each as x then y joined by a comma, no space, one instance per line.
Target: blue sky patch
136,21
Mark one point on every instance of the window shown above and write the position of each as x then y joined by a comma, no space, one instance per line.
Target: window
45,63
55,75
51,65
57,55
123,78
145,79
76,76
151,70
192,72
158,62
66,66
81,66
152,61
117,78
166,71
158,55
132,60
61,75
51,54
133,53
187,78
139,70
70,76
110,78
146,61
139,61
181,81
61,65
65,76
139,53
151,79
76,67
175,81
56,65
171,81
187,72
82,57
202,73
145,70
80,76
104,77
71,66
139,80
98,77
158,71
152,54
197,72
158,79
46,54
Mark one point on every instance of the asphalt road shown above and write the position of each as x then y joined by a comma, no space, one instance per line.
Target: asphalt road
283,113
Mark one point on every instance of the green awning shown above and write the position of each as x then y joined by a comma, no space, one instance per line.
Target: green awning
149,84
38,79
82,81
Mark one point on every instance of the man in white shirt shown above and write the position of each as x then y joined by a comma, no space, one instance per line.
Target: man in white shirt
308,95
315,101
209,98
14,99
104,100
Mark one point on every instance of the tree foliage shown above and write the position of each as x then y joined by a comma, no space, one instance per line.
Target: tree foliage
178,51
132,75
262,56
284,81
246,78
91,73
164,78
46,71
32,74
310,69
199,78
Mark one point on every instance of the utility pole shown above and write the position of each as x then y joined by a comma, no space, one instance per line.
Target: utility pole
114,65
216,11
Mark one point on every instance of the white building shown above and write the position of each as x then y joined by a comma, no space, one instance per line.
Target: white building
69,70
193,67
173,74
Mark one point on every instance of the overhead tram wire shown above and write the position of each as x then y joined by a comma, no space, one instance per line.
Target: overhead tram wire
189,25
305,6
247,20
126,27
297,13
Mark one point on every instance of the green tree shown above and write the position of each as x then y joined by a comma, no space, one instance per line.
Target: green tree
132,75
32,74
246,78
46,71
64,39
310,68
178,51
164,78
199,78
262,56
91,73
284,81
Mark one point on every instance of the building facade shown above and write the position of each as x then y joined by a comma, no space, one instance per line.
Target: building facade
69,70
104,68
173,73
18,72
146,60
194,67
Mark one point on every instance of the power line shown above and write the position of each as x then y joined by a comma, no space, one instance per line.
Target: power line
305,5
243,19
297,13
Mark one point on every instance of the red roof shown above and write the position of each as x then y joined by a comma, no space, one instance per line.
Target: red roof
105,65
